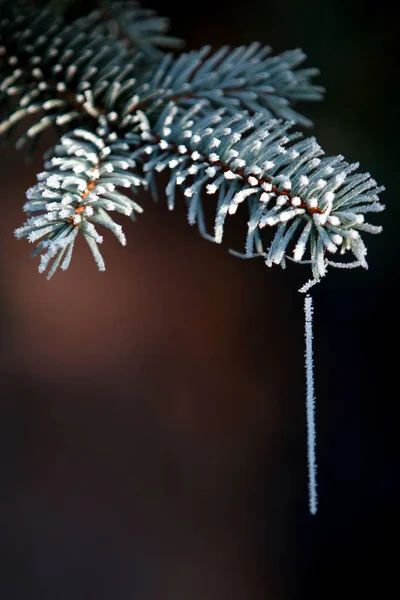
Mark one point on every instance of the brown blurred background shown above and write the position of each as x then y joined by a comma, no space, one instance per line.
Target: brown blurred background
152,429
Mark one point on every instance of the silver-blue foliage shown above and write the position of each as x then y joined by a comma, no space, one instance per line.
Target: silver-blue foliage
315,204
219,121
81,186
142,27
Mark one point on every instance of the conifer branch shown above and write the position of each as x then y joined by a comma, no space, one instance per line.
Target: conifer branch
317,205
139,27
79,189
246,78
92,73
206,116
219,121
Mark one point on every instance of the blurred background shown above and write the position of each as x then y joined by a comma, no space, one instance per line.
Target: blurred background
152,426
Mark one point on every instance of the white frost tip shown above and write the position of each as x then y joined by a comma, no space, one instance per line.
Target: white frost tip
312,202
189,192
329,196
214,157
173,163
255,171
239,163
282,200
211,171
146,136
193,170
265,197
182,149
230,175
196,138
321,183
195,155
215,142
320,218
267,187
268,165
304,180
163,144
169,118
211,188
286,215
335,221
232,208
76,219
296,201
252,181
337,239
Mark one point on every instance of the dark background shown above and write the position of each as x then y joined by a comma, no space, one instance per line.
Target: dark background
152,428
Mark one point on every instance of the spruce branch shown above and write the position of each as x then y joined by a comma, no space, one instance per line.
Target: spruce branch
139,27
50,67
92,73
219,121
244,78
206,116
316,205
79,189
